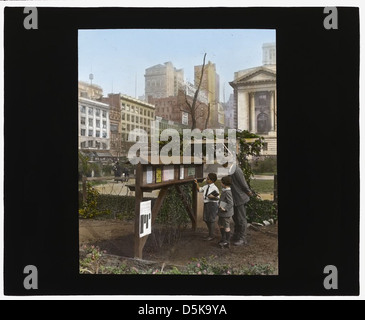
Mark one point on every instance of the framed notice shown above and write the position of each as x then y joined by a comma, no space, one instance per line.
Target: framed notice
149,173
158,175
182,173
145,219
168,173
191,171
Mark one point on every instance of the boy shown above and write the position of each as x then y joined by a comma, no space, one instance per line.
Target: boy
225,212
211,197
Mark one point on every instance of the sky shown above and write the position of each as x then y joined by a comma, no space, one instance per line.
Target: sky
118,58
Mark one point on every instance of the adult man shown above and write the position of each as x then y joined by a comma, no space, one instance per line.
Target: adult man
241,194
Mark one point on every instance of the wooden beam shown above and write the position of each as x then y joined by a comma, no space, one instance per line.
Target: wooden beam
138,248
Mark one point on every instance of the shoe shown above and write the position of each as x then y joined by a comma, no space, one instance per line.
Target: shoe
240,242
224,244
209,239
221,242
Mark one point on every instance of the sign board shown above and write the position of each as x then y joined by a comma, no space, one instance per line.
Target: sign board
145,220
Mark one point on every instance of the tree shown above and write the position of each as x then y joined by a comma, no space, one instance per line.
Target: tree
192,107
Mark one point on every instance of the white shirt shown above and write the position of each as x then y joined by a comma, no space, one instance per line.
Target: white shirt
212,187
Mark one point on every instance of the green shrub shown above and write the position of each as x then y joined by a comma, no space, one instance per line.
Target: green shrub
89,208
259,210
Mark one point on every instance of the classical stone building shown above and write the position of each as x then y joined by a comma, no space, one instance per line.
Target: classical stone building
255,100
163,80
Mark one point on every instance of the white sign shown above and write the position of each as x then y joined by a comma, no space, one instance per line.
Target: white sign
145,218
185,118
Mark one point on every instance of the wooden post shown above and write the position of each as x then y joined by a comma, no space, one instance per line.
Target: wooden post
138,248
195,205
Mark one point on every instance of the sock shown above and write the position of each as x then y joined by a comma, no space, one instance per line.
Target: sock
212,229
223,233
228,235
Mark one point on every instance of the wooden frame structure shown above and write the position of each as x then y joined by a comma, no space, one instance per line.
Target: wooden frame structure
150,177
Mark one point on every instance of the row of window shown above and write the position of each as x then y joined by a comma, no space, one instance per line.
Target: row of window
128,127
91,122
91,133
137,110
90,111
136,119
93,144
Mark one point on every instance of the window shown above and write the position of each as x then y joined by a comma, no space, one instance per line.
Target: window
104,114
82,109
91,133
132,118
104,134
128,127
144,112
90,143
97,133
127,107
123,106
104,124
83,120
104,145
91,111
98,123
83,132
83,144
114,128
97,112
132,108
97,144
128,117
91,122
123,116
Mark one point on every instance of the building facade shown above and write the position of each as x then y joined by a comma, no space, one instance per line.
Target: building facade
94,125
176,110
163,80
135,114
210,84
255,102
115,116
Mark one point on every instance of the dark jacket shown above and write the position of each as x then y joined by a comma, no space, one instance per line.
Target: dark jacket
239,186
226,196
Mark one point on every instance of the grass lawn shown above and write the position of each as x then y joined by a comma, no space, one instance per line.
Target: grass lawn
263,186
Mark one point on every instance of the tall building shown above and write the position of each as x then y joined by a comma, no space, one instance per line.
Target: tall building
175,108
163,80
255,100
229,112
210,84
113,100
94,125
135,114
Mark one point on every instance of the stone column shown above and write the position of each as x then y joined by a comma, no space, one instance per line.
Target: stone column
243,104
272,110
252,112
